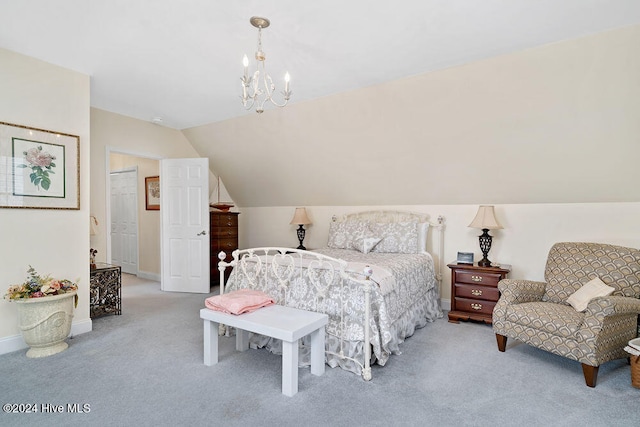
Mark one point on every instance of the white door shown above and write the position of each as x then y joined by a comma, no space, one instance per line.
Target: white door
124,220
184,209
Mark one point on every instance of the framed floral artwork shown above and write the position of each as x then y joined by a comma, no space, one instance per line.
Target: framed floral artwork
39,169
152,193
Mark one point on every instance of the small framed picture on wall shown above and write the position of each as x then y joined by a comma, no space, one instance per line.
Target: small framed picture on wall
152,193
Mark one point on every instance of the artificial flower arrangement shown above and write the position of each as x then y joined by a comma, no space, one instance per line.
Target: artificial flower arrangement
37,286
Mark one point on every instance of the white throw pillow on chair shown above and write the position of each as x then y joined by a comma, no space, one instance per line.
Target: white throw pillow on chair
592,289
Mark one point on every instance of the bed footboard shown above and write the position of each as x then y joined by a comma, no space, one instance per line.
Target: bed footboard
309,281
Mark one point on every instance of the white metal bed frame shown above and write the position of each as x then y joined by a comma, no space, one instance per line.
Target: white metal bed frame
257,263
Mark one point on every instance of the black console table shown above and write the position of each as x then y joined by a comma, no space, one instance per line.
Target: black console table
105,290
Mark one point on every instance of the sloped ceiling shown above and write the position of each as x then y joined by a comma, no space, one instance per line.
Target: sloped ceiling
385,108
181,60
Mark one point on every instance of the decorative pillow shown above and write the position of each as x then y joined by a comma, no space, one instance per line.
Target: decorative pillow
342,234
365,243
592,289
397,237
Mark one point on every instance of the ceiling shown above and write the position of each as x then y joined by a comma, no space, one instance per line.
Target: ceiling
181,60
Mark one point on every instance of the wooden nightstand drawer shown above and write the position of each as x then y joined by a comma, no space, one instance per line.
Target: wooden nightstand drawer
475,306
478,278
488,293
474,291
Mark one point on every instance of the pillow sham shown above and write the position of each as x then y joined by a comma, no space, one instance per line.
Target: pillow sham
365,243
592,289
342,234
397,237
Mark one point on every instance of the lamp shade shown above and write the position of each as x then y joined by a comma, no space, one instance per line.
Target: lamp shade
300,217
485,219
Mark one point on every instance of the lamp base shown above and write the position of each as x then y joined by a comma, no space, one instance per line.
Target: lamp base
300,231
485,246
484,263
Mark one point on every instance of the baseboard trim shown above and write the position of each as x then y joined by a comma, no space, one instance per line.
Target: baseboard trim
445,304
149,276
15,342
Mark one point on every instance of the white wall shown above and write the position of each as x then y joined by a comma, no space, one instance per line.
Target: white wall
37,94
529,230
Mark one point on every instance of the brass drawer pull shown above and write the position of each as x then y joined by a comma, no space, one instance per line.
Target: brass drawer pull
476,292
476,306
476,278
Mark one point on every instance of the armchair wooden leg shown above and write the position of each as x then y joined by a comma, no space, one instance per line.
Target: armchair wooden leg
502,342
590,374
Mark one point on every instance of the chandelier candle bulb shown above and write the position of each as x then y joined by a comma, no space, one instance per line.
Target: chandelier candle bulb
245,62
287,77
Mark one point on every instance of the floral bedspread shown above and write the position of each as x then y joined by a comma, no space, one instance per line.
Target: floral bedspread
407,299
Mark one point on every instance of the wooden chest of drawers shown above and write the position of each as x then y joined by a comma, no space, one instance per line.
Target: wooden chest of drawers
224,237
474,291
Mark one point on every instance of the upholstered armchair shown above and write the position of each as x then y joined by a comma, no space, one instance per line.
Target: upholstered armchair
537,313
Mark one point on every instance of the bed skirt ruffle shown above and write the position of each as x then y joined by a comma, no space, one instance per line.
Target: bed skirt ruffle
423,312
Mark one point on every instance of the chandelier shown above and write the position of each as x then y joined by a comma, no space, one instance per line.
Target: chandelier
259,88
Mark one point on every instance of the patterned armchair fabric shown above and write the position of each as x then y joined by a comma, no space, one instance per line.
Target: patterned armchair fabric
537,313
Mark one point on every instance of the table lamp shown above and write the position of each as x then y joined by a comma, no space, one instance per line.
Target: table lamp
485,220
300,218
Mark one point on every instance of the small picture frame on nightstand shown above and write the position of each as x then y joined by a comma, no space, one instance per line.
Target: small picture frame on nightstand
465,258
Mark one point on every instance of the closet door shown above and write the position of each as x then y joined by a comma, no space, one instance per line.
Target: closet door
124,220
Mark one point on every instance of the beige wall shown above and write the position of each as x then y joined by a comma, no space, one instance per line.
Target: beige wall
114,133
550,135
37,94
148,220
529,230
554,124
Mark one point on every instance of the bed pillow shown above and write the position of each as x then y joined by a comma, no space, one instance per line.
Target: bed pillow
342,234
423,231
397,237
592,289
365,243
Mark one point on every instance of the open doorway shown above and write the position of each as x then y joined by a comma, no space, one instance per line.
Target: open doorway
146,250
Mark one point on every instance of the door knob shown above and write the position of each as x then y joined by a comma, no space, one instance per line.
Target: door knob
202,233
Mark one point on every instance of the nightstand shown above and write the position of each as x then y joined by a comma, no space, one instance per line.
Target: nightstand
474,291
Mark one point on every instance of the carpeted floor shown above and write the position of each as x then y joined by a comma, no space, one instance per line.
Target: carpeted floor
145,368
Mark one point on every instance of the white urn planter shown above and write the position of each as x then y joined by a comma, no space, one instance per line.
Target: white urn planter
45,323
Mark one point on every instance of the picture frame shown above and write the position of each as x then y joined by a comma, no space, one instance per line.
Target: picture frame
39,168
152,193
465,258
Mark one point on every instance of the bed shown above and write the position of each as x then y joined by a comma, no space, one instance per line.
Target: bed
375,279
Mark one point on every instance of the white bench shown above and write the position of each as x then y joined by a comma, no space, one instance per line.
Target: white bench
276,321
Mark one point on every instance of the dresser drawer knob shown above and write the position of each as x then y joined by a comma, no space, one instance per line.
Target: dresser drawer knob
476,292
476,306
229,223
476,278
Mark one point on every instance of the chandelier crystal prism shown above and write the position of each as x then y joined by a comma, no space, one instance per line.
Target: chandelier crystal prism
259,88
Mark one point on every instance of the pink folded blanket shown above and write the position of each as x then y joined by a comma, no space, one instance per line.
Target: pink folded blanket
238,302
